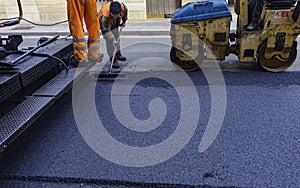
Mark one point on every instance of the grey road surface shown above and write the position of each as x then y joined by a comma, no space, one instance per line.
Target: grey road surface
255,145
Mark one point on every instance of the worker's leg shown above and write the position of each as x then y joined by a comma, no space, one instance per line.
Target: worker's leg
75,19
251,5
116,33
93,27
256,13
110,43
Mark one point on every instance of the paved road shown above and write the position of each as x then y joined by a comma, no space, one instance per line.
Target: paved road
142,47
257,144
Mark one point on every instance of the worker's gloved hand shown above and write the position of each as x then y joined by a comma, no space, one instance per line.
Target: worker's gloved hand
115,43
122,24
108,36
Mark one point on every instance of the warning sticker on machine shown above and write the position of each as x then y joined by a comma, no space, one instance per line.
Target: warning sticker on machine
281,14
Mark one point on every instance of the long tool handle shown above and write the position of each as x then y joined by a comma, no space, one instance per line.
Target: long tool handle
32,50
115,51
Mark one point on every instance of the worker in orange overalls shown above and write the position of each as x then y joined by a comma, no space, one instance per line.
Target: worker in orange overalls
110,17
87,10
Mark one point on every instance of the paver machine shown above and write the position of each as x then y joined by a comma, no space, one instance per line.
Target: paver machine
31,79
200,30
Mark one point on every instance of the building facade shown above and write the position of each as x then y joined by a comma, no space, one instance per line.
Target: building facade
45,11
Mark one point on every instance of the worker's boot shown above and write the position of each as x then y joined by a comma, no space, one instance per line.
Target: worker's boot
252,27
82,62
116,64
98,59
120,57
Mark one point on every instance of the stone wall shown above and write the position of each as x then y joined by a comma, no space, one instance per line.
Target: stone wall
54,10
45,11
39,11
136,9
185,2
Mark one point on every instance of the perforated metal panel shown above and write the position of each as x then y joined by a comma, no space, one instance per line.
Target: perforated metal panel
60,84
18,119
35,67
9,85
32,68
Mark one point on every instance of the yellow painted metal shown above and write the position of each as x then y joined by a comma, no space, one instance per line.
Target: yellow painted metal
243,4
205,30
187,40
213,26
216,52
150,16
273,24
216,49
249,42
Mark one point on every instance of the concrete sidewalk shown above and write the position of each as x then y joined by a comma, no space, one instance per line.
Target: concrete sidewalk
145,27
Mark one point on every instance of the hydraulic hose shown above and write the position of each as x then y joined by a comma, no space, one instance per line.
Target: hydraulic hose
20,10
17,20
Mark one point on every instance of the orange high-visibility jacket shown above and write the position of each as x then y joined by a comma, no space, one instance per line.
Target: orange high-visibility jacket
105,11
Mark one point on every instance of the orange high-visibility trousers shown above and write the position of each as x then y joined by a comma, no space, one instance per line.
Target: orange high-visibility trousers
87,10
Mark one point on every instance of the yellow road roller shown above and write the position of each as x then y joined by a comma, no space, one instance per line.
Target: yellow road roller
201,31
